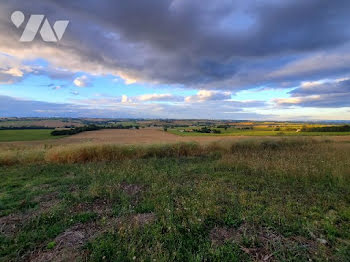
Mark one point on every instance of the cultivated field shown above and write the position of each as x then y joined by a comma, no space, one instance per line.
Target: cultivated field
127,136
281,199
40,123
152,195
141,136
26,135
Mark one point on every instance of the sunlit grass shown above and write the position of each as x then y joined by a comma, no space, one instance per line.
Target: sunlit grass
295,191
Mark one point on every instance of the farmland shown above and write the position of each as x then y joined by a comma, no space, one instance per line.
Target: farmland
156,194
256,129
129,137
25,135
157,131
234,132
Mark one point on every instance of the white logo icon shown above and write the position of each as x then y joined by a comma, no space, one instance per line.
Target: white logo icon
48,34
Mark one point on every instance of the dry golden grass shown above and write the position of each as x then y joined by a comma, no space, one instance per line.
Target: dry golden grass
276,153
96,153
296,160
27,156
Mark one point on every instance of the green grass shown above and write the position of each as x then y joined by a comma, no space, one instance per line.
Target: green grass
258,132
279,198
25,135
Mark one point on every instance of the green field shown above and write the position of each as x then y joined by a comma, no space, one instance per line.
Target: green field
25,135
257,132
285,200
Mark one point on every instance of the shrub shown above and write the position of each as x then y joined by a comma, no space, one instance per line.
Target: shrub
206,130
74,131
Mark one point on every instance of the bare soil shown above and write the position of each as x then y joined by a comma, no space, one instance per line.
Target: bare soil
67,245
263,241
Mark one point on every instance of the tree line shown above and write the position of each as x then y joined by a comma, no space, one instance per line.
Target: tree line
344,128
77,130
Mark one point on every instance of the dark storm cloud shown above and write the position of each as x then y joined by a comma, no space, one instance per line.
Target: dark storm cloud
222,44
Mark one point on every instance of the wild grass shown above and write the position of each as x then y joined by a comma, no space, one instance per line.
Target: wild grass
84,153
273,199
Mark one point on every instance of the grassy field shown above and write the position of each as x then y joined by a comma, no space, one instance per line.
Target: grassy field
25,135
256,132
255,200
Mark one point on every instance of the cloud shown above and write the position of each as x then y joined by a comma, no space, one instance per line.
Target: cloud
14,72
11,69
322,94
222,45
325,63
125,99
82,81
159,98
10,106
115,108
205,95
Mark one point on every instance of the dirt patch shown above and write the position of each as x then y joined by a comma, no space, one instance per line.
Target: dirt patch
263,241
41,187
136,220
10,225
220,235
143,219
47,201
131,189
67,245
102,207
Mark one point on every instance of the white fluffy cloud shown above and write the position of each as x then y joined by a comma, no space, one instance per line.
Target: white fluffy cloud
206,95
11,69
82,81
159,98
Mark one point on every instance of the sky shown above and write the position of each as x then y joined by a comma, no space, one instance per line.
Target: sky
188,59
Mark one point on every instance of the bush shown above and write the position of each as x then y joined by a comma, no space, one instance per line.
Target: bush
206,130
73,131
